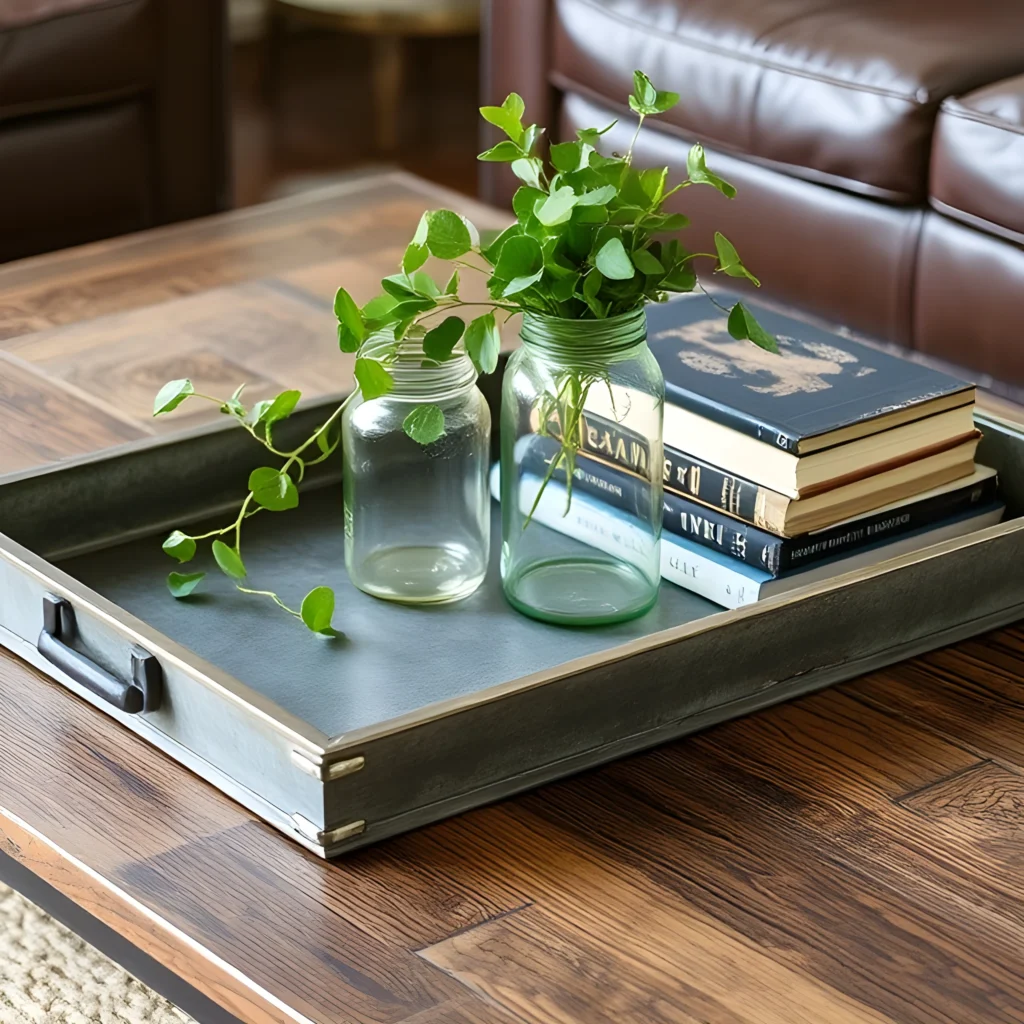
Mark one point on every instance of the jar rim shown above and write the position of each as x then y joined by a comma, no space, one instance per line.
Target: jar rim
582,338
417,378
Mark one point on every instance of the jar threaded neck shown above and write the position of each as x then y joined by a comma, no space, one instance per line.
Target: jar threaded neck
417,378
584,338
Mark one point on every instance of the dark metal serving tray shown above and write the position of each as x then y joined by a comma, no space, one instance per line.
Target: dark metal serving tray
419,713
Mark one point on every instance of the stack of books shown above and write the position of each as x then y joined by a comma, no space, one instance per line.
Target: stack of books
781,470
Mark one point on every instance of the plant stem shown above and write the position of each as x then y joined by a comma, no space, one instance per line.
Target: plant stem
273,597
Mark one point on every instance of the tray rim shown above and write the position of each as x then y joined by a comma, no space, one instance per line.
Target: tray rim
322,746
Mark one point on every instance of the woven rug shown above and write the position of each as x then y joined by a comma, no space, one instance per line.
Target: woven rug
50,976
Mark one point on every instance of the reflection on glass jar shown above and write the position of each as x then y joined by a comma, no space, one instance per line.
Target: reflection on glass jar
417,517
576,395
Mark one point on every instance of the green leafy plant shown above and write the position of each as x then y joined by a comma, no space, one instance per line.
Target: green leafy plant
592,239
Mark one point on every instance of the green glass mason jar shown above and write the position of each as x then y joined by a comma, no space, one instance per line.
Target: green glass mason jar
580,543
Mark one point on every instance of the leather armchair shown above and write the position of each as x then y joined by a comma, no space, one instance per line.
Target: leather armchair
880,171
112,118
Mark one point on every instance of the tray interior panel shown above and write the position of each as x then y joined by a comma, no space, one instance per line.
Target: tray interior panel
392,660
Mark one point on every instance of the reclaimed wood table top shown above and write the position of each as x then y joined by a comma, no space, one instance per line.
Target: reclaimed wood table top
853,857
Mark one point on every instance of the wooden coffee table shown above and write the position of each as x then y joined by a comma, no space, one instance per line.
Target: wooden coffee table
854,857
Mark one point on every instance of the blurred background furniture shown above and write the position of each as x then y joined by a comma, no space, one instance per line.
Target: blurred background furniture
878,148
386,23
112,118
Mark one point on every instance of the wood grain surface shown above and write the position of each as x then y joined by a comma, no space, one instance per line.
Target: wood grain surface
854,857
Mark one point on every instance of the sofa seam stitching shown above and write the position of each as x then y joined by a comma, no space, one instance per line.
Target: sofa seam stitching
979,117
760,61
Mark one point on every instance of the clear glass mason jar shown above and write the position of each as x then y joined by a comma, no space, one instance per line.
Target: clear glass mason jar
417,517
570,555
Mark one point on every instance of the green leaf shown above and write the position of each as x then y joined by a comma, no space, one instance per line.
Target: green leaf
229,560
647,263
425,424
448,236
347,341
399,286
483,343
379,307
171,395
597,196
508,117
590,136
281,407
415,256
257,412
520,284
729,261
373,378
272,489
326,444
743,326
698,172
658,222
530,137
652,181
439,341
503,153
317,610
556,208
643,89
493,250
613,261
682,278
665,101
180,546
520,256
423,284
523,203
409,308
565,156
348,314
181,584
591,286
528,170
452,287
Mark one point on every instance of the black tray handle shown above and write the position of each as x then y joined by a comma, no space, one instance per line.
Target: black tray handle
144,691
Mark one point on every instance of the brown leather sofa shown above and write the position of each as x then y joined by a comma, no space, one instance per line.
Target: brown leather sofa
878,147
112,118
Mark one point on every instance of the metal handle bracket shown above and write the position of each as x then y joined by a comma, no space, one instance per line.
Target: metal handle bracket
143,693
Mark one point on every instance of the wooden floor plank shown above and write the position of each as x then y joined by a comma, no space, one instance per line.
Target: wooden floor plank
811,866
333,941
606,945
969,692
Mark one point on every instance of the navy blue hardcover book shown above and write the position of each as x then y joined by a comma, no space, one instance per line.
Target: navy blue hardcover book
772,554
819,384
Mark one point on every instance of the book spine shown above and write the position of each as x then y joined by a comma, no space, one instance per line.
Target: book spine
741,499
608,442
799,552
704,526
695,570
741,422
713,529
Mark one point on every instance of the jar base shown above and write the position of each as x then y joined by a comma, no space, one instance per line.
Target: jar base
580,591
420,574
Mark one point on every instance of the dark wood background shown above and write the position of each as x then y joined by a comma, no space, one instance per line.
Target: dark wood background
854,857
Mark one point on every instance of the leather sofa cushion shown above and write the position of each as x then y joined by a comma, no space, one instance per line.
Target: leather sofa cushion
61,54
789,232
72,177
967,300
843,92
978,159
